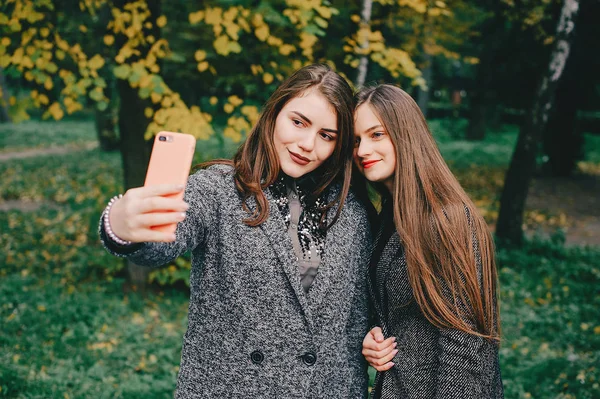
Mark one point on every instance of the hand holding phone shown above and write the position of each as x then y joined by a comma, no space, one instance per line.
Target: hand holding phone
170,163
151,213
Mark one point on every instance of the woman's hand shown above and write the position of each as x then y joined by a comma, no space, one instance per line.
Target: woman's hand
378,351
132,216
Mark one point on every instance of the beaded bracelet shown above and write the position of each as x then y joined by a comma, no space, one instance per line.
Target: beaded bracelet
112,236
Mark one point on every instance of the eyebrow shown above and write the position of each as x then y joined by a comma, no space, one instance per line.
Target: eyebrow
374,128
310,122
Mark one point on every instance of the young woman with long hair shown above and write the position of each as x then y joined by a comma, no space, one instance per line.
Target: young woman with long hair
432,277
278,304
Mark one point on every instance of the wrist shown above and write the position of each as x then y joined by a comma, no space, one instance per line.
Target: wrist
106,223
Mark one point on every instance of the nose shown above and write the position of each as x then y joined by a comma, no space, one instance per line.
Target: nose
364,149
307,142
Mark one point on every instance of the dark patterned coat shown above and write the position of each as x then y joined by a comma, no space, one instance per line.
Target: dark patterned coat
431,363
253,332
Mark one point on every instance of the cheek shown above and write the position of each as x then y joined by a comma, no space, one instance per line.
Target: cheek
325,150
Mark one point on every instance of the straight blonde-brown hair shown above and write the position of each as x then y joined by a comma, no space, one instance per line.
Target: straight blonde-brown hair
448,246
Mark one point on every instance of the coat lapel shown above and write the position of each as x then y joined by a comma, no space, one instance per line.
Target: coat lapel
377,288
275,230
334,273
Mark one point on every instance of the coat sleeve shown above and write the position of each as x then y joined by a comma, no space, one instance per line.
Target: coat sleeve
468,363
200,194
358,324
466,366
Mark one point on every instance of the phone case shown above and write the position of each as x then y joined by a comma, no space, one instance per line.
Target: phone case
170,163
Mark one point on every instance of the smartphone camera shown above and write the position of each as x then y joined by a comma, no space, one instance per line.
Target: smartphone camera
162,138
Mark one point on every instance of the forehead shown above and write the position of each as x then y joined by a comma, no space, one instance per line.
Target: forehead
365,118
313,102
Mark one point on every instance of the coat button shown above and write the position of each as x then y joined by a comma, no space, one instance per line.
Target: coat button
309,358
257,357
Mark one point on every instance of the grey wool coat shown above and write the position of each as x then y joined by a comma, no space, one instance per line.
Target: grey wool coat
431,363
252,330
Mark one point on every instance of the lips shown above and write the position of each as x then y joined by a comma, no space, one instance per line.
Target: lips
368,164
299,159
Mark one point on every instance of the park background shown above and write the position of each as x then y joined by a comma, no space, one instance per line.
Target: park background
510,89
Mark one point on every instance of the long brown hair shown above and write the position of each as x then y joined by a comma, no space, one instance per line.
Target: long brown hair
256,163
449,249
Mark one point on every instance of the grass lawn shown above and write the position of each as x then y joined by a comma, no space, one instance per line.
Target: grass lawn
69,330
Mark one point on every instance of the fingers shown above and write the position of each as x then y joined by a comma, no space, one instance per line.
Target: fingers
156,190
385,367
373,345
148,220
157,203
379,354
378,351
377,334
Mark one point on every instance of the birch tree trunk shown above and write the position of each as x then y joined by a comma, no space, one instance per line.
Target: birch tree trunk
363,65
522,165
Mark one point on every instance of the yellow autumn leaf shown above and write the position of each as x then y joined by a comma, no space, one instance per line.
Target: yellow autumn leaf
148,112
200,55
203,66
43,99
83,28
26,62
56,111
267,78
213,100
286,49
109,40
48,84
161,21
5,41
41,308
213,16
228,108
196,17
155,97
262,33
96,62
235,100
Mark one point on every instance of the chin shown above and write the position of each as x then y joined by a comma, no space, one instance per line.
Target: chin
294,171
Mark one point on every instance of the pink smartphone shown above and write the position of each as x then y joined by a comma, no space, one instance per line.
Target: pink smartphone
170,163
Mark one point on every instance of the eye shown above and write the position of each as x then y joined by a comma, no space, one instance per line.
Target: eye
327,136
356,141
297,122
378,135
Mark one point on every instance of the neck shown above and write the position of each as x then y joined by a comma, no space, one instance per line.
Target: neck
389,184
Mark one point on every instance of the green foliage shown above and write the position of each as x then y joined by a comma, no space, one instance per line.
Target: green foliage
87,340
551,330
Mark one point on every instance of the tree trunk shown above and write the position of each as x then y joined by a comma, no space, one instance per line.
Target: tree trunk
106,129
562,140
135,150
522,165
363,65
4,116
482,95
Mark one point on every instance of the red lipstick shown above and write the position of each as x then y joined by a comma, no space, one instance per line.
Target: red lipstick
368,164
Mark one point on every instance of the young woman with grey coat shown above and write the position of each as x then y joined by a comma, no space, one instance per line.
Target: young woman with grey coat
279,247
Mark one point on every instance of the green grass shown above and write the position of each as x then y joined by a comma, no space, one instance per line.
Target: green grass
69,330
35,134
